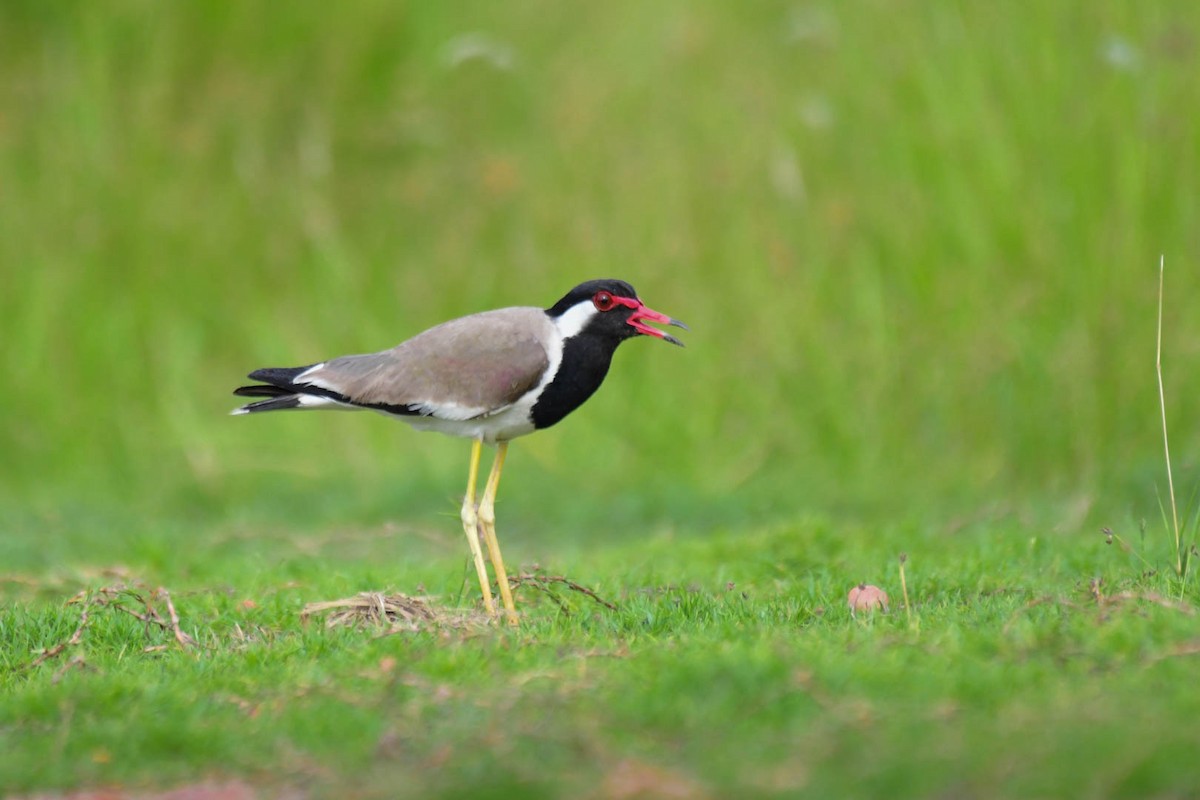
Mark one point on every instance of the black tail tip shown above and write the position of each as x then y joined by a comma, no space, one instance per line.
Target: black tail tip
272,404
261,390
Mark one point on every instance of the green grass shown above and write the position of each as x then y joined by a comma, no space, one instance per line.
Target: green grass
730,665
917,247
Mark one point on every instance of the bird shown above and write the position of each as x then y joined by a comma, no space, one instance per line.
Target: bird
490,377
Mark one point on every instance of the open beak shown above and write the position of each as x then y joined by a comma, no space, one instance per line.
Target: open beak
643,314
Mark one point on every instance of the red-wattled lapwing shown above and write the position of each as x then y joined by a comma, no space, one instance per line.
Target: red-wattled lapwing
489,377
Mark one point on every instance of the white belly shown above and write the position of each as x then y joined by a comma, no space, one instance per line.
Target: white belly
509,423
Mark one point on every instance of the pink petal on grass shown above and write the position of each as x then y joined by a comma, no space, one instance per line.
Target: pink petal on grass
865,597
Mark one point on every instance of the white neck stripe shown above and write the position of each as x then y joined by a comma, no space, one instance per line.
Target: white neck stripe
575,319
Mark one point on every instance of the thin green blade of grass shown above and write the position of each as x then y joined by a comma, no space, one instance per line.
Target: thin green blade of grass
1162,405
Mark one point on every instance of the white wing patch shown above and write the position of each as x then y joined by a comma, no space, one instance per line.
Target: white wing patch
318,401
449,411
303,377
309,378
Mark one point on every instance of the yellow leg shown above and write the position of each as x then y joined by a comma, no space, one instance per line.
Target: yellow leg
487,520
470,521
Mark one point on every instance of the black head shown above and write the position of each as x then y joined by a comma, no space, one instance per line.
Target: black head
608,309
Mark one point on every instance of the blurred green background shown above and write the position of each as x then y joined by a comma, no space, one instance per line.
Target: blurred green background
917,244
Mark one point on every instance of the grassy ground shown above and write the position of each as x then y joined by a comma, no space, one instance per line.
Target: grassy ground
917,248
731,664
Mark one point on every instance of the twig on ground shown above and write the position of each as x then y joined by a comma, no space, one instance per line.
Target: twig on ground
144,618
181,637
112,597
76,660
543,582
76,637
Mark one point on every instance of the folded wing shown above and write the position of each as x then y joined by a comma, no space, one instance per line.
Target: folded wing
463,369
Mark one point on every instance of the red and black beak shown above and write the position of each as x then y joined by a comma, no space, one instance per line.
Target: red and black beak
642,314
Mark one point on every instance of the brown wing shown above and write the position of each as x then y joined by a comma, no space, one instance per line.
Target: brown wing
462,369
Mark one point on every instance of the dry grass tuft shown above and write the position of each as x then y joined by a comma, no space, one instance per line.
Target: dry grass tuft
398,611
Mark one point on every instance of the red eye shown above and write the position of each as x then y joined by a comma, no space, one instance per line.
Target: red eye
603,301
